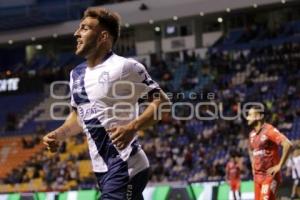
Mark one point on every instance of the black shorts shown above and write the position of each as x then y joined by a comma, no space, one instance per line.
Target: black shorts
115,184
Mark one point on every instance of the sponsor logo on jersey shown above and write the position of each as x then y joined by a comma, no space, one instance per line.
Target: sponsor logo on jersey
76,86
129,191
259,152
86,112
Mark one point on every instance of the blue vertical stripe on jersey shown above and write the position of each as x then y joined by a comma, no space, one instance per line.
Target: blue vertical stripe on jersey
135,147
104,145
79,94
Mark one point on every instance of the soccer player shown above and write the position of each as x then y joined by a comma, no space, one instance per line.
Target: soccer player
264,143
104,93
293,165
233,172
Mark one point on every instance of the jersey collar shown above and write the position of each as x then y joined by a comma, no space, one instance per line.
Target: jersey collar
107,56
105,59
260,130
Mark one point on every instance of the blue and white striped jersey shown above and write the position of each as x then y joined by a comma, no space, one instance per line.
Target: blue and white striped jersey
107,95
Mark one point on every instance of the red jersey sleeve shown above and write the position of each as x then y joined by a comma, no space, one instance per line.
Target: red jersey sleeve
275,136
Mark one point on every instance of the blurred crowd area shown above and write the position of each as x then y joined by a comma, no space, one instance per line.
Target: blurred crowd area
199,150
191,150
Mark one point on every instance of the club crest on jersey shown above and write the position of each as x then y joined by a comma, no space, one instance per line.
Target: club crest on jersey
263,138
103,78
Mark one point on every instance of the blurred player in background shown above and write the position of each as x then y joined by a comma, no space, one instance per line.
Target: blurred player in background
265,141
293,165
103,108
233,172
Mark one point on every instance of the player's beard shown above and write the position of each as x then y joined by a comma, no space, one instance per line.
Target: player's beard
86,48
253,123
250,123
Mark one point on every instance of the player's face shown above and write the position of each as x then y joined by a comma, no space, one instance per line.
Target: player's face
87,36
253,116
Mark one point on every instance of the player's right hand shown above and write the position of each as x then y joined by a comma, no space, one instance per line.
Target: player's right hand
51,142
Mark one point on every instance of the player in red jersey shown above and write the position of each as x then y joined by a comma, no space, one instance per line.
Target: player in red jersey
264,143
233,172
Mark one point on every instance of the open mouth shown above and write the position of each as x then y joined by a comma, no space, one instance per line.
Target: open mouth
79,43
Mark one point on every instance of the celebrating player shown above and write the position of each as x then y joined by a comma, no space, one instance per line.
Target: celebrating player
233,176
104,93
265,141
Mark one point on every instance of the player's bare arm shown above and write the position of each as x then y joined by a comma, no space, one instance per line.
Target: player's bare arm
286,149
122,135
147,119
70,127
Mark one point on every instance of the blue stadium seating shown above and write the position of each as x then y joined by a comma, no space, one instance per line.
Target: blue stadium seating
17,104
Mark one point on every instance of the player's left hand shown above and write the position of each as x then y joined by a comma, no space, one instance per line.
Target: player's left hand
273,170
121,136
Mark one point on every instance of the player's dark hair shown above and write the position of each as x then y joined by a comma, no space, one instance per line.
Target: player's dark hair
108,19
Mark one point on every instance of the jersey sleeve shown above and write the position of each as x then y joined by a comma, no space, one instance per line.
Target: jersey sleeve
275,136
136,73
73,104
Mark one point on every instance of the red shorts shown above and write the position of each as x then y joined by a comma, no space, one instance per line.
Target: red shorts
235,184
266,187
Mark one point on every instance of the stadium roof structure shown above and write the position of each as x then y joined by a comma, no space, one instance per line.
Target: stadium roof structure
132,14
166,9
